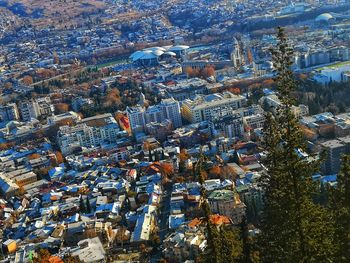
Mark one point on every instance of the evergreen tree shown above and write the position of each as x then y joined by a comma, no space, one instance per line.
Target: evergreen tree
294,228
88,205
340,206
224,244
150,155
82,207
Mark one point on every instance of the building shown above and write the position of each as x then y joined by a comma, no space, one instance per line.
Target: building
67,117
227,203
79,102
230,126
139,117
136,118
236,56
35,108
187,88
334,151
255,121
159,130
9,112
183,245
7,187
153,55
25,179
205,107
335,73
90,250
172,111
89,132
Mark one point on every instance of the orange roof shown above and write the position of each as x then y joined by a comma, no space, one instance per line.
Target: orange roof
55,259
219,219
194,223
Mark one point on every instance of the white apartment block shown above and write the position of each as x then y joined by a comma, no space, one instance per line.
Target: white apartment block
168,109
205,107
35,108
255,121
172,111
88,132
136,116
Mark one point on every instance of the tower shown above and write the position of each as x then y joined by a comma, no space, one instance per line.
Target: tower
142,99
236,57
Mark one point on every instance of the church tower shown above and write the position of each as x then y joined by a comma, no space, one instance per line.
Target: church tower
236,57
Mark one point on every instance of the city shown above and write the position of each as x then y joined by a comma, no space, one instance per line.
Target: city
175,131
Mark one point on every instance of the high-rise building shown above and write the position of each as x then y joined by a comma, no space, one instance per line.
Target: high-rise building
168,109
9,112
172,111
136,118
154,114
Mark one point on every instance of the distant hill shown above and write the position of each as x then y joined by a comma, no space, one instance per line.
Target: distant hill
58,13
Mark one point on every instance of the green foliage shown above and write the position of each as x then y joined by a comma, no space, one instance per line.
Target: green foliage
294,228
340,207
88,205
82,207
319,98
224,244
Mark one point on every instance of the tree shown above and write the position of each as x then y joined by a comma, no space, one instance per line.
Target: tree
82,207
59,157
224,244
167,169
207,71
340,207
27,80
61,107
33,156
56,59
294,228
88,205
43,256
215,171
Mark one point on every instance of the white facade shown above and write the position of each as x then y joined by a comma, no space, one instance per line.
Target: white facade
168,109
34,108
136,118
88,134
204,108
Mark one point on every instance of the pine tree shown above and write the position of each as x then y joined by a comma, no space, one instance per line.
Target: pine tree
340,207
224,244
294,228
82,207
88,205
150,155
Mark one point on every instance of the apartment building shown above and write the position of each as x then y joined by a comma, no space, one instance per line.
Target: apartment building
205,107
36,108
9,112
168,109
88,132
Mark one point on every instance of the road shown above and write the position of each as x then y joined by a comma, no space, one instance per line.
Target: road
163,220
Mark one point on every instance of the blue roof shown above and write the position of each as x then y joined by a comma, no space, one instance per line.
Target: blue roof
329,178
176,221
268,91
